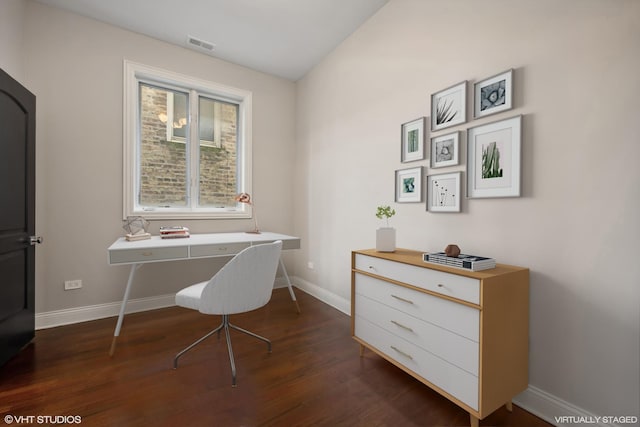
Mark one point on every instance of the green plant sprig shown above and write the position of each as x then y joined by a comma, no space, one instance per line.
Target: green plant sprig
385,212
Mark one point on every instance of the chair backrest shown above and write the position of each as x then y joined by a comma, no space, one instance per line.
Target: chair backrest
245,283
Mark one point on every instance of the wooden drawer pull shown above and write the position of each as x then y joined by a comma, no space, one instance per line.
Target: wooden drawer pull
402,299
147,253
402,353
402,326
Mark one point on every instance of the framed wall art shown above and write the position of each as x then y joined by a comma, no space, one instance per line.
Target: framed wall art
445,150
413,138
409,185
449,107
443,192
493,159
493,95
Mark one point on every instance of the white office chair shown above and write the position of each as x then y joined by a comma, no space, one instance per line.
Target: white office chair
245,283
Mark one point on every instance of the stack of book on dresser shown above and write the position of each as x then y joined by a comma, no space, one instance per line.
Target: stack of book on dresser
467,262
175,232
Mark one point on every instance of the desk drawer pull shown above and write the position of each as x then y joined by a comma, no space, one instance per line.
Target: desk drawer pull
402,326
402,353
402,299
147,253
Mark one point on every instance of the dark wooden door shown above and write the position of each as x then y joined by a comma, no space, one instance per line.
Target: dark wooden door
17,216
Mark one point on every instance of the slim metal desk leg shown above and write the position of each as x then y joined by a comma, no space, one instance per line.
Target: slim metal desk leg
132,274
286,276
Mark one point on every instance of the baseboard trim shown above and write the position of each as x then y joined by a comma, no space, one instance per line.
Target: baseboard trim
52,319
558,412
323,295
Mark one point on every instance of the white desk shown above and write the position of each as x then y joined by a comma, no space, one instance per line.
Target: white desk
156,249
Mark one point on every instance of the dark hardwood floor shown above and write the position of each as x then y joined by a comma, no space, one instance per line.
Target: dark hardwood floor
314,376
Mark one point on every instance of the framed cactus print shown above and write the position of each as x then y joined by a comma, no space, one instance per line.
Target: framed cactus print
413,139
493,159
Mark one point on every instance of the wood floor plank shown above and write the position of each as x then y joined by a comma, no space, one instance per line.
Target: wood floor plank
313,377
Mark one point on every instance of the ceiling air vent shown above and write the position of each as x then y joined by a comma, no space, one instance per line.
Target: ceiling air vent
200,44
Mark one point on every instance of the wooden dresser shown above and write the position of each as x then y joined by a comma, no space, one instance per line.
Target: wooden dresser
463,333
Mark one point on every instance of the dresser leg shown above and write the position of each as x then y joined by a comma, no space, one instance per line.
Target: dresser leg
509,406
475,422
361,350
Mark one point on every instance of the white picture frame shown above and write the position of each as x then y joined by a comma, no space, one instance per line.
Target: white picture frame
443,192
494,159
449,107
413,140
445,150
409,185
493,95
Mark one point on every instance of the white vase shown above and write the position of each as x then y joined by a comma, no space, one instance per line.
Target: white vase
386,239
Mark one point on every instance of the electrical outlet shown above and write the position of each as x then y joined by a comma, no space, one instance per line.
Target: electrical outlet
311,265
72,284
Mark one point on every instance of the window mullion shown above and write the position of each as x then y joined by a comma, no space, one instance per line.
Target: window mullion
193,169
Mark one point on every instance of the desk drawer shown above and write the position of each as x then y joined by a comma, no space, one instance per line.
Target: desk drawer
450,378
217,249
452,316
464,288
128,256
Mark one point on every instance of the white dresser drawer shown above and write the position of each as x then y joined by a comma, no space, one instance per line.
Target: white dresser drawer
464,288
458,318
453,380
456,349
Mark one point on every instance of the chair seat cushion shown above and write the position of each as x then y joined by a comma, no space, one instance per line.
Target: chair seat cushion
190,297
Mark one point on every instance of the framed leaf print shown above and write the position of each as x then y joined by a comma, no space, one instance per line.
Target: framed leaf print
449,107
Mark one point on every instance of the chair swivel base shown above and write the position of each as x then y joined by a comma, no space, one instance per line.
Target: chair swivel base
224,325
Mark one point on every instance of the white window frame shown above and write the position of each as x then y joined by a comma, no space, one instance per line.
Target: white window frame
135,73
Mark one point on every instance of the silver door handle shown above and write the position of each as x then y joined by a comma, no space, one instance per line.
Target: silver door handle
33,240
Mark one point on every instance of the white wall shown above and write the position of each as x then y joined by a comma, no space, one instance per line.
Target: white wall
576,83
11,38
75,67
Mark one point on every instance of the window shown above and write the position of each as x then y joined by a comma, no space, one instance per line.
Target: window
187,146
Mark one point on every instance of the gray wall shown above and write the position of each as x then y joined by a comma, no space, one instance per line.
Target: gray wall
75,67
576,83
11,38
575,226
